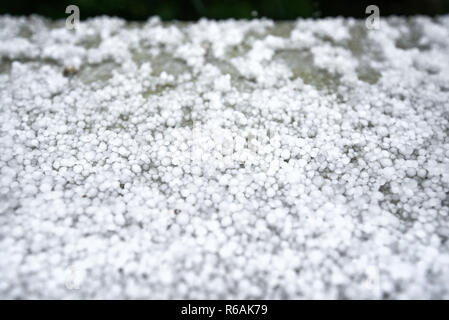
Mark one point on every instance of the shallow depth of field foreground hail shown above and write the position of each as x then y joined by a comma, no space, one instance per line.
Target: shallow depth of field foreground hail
233,159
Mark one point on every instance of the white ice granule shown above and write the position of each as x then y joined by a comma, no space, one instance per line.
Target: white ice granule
230,159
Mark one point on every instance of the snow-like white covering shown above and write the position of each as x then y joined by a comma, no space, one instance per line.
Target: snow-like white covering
232,159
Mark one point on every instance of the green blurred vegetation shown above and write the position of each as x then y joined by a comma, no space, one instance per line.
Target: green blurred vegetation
222,9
